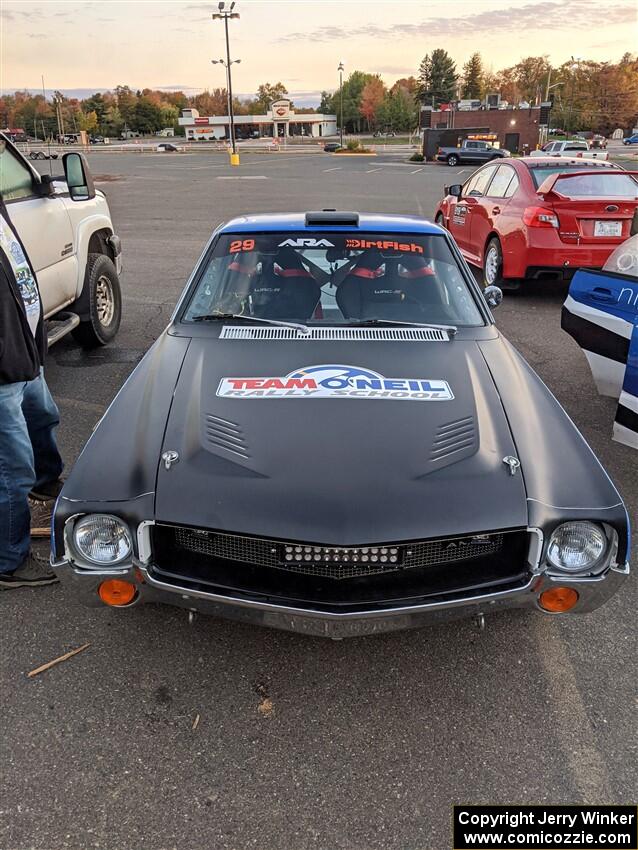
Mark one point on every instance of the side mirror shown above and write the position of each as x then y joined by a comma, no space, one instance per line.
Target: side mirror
455,190
78,177
493,295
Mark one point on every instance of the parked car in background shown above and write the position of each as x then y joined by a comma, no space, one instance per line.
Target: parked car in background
167,147
65,225
631,140
251,395
572,148
331,147
43,155
539,217
470,151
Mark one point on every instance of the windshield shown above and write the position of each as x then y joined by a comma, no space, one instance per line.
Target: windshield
541,173
329,278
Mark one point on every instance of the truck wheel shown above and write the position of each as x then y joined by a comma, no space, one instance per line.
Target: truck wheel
103,297
493,263
452,159
439,220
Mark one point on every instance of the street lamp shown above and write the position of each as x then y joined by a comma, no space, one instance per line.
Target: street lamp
341,68
224,14
223,62
574,68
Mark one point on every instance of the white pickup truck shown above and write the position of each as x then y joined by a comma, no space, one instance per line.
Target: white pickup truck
65,225
573,149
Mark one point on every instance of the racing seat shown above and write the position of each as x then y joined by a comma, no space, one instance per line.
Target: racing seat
402,287
285,289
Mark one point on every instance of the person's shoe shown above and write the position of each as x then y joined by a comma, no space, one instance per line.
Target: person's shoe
47,492
33,572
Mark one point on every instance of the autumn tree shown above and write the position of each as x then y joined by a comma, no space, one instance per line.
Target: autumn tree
473,77
371,99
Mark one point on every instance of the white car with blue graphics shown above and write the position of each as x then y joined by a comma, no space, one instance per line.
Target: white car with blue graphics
601,314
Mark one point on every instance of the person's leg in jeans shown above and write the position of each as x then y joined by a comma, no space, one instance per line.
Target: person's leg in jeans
17,476
42,418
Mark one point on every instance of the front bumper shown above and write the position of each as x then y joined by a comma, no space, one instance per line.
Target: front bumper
593,592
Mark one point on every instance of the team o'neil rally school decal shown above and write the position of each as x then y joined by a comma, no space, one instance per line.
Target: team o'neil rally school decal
336,381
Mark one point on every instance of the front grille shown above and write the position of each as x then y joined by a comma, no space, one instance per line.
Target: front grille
338,579
332,562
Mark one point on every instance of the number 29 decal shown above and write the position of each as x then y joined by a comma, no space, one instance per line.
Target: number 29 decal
238,245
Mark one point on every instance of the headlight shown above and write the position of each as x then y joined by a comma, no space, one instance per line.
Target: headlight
576,546
102,539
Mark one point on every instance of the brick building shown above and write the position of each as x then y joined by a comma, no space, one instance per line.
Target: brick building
514,128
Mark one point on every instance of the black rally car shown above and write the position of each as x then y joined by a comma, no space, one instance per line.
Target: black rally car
331,436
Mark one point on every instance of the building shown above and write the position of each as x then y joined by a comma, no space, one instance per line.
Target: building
279,121
517,130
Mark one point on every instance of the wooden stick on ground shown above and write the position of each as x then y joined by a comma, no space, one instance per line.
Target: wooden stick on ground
57,660
40,532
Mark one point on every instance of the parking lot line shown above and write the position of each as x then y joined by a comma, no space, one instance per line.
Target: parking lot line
372,170
242,177
338,168
416,171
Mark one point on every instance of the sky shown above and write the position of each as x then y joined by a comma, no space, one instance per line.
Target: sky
98,44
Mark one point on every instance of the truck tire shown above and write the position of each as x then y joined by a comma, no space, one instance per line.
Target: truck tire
452,159
102,299
439,220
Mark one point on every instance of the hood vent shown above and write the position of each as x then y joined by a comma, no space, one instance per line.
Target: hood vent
224,434
453,437
346,334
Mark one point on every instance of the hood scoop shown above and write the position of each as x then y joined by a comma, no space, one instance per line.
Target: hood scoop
334,333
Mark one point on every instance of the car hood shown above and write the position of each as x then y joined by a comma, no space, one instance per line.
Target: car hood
338,470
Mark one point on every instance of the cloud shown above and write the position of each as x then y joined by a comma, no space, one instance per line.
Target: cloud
559,14
394,69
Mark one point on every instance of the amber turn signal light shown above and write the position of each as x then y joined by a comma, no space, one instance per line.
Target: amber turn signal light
558,599
116,592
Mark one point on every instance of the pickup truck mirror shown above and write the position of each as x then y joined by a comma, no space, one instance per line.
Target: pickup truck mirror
455,190
78,177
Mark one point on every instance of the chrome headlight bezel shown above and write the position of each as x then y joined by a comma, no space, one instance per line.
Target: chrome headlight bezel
84,557
599,541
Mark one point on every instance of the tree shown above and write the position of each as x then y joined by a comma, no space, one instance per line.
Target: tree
126,102
146,117
473,77
88,121
211,103
398,111
352,90
326,105
437,80
96,104
371,98
267,94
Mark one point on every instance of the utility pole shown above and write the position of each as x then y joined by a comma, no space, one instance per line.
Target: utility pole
224,14
341,69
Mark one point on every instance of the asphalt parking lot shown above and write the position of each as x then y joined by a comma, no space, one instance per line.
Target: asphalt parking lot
300,742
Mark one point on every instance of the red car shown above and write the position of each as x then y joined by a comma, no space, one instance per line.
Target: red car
539,217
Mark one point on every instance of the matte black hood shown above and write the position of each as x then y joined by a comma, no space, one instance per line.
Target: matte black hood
339,471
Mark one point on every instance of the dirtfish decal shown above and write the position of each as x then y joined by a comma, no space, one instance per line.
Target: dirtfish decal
336,381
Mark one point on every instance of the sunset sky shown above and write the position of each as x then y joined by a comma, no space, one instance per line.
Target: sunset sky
100,43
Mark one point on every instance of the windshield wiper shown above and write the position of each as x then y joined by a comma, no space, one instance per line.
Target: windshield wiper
451,329
220,317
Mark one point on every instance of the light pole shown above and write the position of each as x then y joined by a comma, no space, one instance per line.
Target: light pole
224,14
228,98
341,69
574,68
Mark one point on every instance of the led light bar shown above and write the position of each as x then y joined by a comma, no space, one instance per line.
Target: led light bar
330,555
